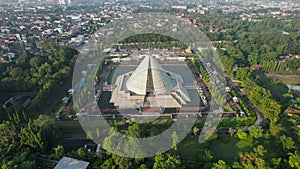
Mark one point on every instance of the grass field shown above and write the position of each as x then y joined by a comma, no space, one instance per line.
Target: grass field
187,150
224,148
286,79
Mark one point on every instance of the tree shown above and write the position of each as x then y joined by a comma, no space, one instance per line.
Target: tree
12,155
133,147
82,153
219,165
167,161
294,64
243,73
195,131
23,60
35,61
237,165
175,140
134,130
65,54
231,131
32,136
204,156
256,131
275,129
108,164
39,134
260,150
228,64
241,134
59,152
16,73
124,162
7,132
49,44
262,99
18,160
143,166
253,58
275,162
259,162
247,158
203,72
89,135
287,142
294,159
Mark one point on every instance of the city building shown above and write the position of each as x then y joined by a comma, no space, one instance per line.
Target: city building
61,2
184,7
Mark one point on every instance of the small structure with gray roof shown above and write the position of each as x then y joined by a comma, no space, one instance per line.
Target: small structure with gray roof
70,163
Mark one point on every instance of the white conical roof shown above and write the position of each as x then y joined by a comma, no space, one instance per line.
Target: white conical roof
150,77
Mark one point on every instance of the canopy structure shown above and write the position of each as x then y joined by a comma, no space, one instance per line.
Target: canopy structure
149,85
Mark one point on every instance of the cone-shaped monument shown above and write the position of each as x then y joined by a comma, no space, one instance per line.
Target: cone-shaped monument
149,86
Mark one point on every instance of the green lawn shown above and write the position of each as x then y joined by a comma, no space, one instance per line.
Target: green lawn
291,79
187,150
224,148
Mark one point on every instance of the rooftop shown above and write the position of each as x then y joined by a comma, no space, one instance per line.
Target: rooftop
150,77
70,163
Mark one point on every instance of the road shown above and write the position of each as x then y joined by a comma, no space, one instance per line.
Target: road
199,80
259,115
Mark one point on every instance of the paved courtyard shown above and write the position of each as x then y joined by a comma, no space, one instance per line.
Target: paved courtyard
181,69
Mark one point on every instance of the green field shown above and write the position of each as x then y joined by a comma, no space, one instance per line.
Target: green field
286,79
224,148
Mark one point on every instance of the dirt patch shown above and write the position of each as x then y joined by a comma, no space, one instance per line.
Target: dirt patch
286,79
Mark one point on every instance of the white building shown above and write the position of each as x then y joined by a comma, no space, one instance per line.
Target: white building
61,2
149,86
184,7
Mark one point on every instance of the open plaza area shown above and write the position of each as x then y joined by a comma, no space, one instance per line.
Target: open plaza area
177,67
